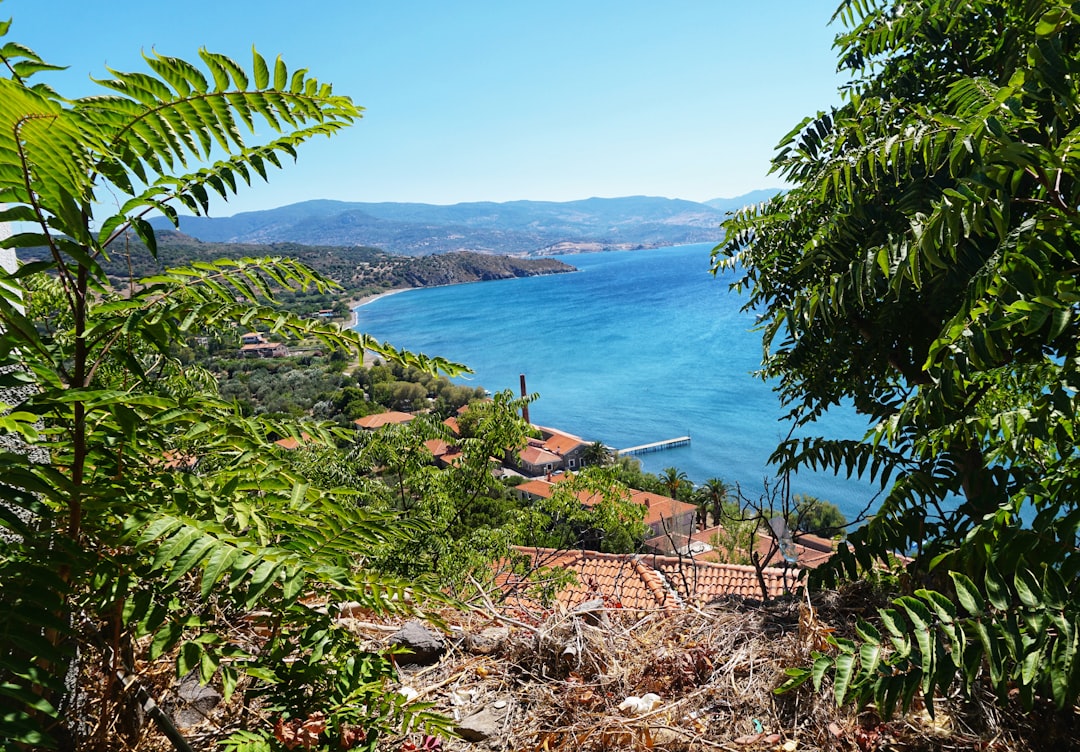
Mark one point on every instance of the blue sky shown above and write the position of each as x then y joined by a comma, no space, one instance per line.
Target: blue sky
494,100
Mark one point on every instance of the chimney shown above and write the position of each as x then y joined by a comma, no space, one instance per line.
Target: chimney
524,408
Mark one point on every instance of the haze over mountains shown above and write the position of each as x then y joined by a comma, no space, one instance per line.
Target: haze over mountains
514,227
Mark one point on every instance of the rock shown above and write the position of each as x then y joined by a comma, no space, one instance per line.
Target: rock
491,640
423,646
481,725
593,612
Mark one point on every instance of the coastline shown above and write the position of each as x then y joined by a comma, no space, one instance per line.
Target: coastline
358,302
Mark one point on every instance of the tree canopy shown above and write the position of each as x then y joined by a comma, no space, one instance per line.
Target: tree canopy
923,267
140,514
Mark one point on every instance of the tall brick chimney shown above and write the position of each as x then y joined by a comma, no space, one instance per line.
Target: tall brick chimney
525,408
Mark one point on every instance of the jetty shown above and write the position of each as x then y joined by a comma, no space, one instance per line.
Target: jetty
657,446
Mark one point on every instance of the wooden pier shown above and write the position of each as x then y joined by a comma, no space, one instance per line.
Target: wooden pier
657,446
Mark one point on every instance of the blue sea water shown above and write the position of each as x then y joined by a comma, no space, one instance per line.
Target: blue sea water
635,347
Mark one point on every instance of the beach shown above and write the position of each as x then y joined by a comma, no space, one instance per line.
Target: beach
356,303
369,358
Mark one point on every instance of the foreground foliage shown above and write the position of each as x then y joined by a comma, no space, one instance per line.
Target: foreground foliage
140,515
923,268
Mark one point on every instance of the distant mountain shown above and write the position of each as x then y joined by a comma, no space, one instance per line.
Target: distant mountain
725,205
514,227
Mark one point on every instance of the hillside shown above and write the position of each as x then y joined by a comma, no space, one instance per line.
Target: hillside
359,270
514,227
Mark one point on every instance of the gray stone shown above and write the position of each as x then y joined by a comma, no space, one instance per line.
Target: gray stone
593,612
491,640
423,646
481,725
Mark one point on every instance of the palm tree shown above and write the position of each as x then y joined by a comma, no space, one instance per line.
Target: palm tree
673,478
596,454
716,492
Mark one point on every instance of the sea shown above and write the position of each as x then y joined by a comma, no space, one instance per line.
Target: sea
635,347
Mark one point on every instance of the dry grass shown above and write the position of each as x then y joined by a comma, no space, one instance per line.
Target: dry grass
554,682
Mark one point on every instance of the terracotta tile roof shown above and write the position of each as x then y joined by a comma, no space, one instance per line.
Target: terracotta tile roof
172,459
811,550
437,447
660,507
260,347
545,487
536,487
657,507
452,424
444,452
643,581
816,542
536,456
701,582
378,420
291,442
671,543
621,580
558,442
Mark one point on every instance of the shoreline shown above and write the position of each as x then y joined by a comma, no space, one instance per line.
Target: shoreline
358,302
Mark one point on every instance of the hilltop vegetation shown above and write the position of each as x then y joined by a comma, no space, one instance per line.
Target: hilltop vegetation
358,270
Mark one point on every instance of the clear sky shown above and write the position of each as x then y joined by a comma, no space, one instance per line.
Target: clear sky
493,100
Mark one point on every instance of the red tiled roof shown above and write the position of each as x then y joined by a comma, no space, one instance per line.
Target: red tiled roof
291,442
644,581
621,580
816,542
378,420
811,550
657,507
452,424
176,460
558,442
260,346
805,557
441,450
536,487
545,487
700,581
437,447
536,456
660,507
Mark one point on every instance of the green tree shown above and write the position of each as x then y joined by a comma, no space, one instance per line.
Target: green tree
713,495
674,480
107,534
609,522
923,268
814,515
597,455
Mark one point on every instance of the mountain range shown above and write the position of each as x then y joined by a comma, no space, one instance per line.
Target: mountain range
526,228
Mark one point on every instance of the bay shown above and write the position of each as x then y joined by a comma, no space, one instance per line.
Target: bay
635,347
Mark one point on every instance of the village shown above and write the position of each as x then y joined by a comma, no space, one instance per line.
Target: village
682,562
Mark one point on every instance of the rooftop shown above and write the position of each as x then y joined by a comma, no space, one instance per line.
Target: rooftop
378,420
620,580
